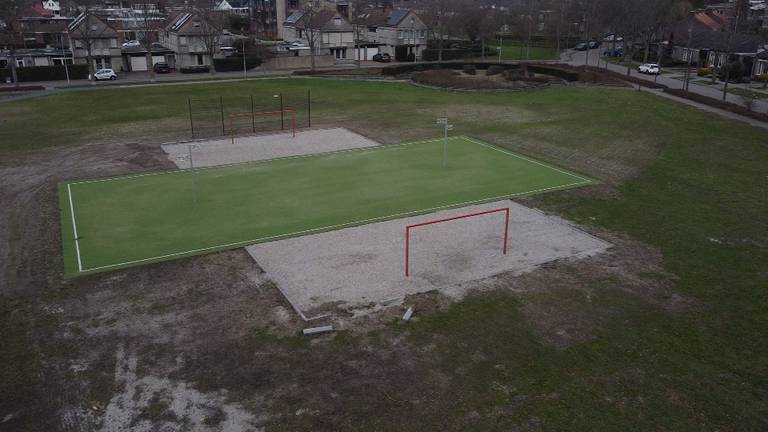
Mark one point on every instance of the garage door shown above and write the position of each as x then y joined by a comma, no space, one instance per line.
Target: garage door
370,52
138,64
157,59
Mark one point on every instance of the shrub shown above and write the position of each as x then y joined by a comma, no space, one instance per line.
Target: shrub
704,72
235,63
494,70
553,71
448,54
195,69
469,69
47,73
735,72
411,57
762,78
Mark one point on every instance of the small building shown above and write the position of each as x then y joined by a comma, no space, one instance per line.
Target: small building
189,36
397,32
332,33
90,34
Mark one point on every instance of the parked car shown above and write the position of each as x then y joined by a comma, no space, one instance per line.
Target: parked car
649,68
593,44
618,52
382,58
161,68
131,44
581,47
105,74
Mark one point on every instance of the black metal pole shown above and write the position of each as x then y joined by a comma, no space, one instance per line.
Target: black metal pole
253,116
309,108
282,113
221,106
191,123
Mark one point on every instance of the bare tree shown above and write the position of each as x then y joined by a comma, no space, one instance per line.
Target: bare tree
10,32
83,30
147,15
311,33
732,31
212,25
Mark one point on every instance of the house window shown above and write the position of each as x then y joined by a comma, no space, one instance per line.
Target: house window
182,40
20,63
339,53
199,59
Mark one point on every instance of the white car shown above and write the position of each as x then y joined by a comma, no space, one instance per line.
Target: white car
649,68
131,44
105,74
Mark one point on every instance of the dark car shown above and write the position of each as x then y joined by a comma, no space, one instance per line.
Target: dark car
581,47
618,52
162,68
382,58
594,44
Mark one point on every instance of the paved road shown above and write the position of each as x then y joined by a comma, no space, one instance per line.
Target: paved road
669,79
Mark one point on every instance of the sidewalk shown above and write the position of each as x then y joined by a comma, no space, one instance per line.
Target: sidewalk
673,80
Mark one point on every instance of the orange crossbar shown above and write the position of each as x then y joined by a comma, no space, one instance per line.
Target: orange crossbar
234,116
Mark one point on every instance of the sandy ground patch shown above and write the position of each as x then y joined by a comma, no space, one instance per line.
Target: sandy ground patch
261,147
360,267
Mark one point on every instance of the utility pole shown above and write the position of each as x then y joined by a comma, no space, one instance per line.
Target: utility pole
245,70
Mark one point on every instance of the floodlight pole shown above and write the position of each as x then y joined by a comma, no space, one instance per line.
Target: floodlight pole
194,178
445,144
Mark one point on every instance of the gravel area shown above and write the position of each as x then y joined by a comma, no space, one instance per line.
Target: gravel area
261,147
360,267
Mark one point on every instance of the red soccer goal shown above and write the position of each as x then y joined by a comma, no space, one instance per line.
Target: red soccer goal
252,115
464,216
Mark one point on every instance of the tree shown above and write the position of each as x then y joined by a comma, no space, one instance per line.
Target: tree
83,29
311,33
10,31
147,15
212,25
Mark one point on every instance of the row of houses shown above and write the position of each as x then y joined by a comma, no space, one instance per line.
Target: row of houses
178,41
397,32
109,37
707,39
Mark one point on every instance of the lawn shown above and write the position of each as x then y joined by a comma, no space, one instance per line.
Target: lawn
125,221
518,51
688,184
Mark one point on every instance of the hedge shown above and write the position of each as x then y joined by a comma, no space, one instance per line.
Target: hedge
46,73
557,72
195,69
718,103
235,63
448,54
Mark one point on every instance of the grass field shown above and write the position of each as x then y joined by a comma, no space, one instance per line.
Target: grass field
517,51
688,184
133,220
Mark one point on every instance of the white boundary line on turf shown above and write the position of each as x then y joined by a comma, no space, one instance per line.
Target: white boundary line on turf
498,149
74,228
337,226
180,171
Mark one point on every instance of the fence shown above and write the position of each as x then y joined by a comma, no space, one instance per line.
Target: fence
214,117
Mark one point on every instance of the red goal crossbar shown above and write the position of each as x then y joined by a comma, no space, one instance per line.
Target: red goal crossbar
464,216
254,114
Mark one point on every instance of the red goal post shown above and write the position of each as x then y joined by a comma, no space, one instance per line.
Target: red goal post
253,114
408,229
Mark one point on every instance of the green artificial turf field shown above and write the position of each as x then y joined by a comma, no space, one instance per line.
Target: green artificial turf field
124,221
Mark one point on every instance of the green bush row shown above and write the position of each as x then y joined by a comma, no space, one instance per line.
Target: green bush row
235,63
46,73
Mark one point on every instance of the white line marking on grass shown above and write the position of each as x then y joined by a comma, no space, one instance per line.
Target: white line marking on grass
74,228
180,171
498,149
334,227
